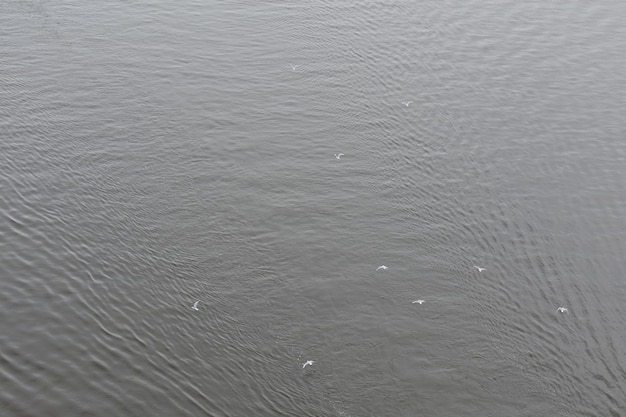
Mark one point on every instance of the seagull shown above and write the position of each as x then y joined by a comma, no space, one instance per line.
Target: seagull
307,363
338,155
293,67
418,302
195,305
382,267
406,103
479,268
562,310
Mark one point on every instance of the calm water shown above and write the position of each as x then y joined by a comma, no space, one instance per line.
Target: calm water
154,154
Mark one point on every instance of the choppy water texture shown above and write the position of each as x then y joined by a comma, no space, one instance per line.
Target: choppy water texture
154,154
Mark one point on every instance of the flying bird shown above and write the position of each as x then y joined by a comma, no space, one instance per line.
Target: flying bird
307,363
406,103
418,302
562,310
479,268
195,305
293,67
338,155
382,267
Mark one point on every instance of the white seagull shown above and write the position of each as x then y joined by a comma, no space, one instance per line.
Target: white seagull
307,363
406,103
195,305
479,268
338,155
562,310
382,267
293,67
418,302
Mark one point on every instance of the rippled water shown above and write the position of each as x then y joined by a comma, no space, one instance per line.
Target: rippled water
157,154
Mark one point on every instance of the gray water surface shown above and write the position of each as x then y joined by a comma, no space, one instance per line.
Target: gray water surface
155,154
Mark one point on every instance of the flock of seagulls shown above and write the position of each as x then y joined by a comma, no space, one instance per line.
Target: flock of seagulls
479,269
420,302
381,267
